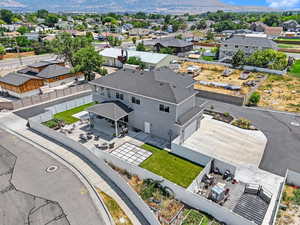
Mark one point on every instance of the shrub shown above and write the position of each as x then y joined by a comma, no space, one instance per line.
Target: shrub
2,50
226,114
254,98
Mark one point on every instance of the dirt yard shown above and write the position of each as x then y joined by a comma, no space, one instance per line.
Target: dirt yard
213,73
291,215
281,93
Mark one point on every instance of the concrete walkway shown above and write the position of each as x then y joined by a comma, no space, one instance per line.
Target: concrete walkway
87,170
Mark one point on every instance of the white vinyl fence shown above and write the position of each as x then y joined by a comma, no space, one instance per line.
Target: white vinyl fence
101,165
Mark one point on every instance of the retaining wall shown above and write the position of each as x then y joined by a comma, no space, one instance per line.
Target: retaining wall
100,164
236,100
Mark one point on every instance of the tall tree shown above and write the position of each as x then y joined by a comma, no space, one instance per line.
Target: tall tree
87,61
6,15
65,46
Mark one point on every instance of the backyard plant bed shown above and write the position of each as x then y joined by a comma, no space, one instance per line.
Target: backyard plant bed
290,206
244,124
171,167
194,217
54,124
224,117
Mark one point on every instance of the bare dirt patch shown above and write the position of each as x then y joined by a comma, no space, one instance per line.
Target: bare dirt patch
280,93
213,73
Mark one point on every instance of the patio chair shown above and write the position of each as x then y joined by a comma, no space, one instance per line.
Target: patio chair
111,145
104,146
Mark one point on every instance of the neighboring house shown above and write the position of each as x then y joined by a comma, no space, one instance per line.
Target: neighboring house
159,102
29,81
246,43
20,85
179,46
291,25
32,36
152,60
271,32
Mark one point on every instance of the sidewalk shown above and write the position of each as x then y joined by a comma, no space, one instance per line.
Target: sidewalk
94,178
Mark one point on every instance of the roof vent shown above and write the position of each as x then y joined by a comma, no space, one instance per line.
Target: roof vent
161,84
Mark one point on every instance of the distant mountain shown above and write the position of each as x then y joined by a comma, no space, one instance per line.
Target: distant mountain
162,6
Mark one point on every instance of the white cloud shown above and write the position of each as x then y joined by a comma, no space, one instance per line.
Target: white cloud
10,3
283,3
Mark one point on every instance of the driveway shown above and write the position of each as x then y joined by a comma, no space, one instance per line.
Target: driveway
283,148
228,143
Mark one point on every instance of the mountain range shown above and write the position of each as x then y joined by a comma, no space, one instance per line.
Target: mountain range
159,6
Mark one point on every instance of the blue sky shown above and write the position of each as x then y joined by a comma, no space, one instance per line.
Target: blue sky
289,4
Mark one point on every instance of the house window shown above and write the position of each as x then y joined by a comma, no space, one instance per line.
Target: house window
101,90
164,108
236,46
246,46
225,45
135,100
108,93
119,96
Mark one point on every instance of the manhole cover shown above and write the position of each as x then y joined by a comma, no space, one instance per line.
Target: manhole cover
296,124
51,169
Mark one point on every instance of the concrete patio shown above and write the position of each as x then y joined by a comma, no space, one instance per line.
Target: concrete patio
228,143
99,137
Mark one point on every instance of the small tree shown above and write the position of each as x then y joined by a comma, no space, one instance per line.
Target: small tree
238,59
140,47
134,40
23,29
166,51
254,98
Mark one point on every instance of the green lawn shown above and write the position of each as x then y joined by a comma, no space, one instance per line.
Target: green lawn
67,116
295,70
287,46
208,58
171,167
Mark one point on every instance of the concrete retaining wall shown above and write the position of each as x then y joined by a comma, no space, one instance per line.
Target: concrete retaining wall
99,163
186,153
236,100
293,178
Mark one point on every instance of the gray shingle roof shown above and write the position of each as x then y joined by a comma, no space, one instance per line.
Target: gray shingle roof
53,71
113,110
251,41
161,84
44,63
173,42
15,79
183,119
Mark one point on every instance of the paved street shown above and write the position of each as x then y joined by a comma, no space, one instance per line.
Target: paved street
283,147
94,175
61,186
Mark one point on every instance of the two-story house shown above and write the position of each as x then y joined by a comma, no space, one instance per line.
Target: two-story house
159,102
248,44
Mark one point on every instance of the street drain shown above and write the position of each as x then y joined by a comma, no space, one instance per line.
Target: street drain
51,169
